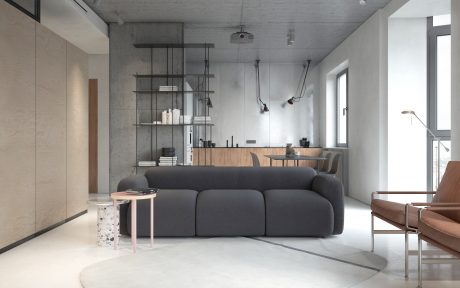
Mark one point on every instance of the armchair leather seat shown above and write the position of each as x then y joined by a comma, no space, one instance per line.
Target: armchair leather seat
441,229
394,212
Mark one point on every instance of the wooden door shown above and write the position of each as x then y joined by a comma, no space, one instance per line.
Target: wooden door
93,95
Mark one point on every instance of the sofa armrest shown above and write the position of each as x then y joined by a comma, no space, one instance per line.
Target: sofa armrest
133,182
331,189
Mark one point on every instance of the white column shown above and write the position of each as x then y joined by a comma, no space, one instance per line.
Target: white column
455,80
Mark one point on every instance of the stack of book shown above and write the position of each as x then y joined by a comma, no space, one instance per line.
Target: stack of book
147,163
168,161
202,120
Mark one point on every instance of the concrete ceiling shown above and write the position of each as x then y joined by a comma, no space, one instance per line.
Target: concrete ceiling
423,8
320,25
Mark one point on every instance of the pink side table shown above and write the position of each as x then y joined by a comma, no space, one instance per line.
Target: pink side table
133,197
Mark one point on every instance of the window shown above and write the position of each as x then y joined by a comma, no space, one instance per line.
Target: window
342,108
28,7
439,97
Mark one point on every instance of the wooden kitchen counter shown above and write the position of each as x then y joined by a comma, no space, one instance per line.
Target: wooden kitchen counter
241,157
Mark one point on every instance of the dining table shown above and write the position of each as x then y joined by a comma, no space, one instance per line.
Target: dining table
296,158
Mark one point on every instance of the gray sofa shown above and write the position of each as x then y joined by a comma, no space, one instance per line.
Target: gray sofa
237,201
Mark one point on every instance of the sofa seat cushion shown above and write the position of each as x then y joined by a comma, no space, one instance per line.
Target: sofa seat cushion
295,212
394,212
174,214
230,212
441,229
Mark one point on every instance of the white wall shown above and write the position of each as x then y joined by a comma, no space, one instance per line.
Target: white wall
99,69
236,111
365,52
407,90
455,80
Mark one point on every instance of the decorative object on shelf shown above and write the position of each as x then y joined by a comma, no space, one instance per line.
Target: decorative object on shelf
185,119
290,150
202,120
304,143
147,163
168,151
263,106
437,139
294,99
168,161
168,88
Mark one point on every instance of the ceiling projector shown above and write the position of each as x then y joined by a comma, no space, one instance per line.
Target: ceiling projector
242,37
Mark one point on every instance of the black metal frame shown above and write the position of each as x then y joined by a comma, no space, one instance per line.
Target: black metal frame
443,135
154,93
343,72
35,16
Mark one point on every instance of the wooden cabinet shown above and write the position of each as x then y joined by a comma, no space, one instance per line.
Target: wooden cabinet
241,157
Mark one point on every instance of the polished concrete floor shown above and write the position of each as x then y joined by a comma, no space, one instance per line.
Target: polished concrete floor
56,258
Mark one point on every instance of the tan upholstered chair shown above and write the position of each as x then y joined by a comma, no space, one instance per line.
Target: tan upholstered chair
439,222
405,216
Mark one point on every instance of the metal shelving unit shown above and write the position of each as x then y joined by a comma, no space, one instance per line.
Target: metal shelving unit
150,102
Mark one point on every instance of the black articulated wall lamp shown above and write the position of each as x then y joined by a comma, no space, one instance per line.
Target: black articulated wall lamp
294,99
263,106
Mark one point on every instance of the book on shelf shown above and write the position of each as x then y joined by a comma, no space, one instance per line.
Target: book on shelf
167,88
167,164
147,163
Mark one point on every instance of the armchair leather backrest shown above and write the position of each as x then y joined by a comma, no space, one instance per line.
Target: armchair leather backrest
449,189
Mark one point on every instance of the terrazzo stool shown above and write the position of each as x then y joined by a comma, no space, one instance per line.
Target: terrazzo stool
105,225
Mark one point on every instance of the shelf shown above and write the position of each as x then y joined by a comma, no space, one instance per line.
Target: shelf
167,92
174,45
173,75
169,125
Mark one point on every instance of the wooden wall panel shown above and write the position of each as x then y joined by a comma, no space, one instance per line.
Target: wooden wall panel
50,128
93,135
241,157
77,130
17,125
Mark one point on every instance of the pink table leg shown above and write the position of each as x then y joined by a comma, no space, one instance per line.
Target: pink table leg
133,224
151,222
115,226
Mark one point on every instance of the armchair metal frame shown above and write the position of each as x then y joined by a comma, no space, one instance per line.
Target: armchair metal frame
430,260
406,229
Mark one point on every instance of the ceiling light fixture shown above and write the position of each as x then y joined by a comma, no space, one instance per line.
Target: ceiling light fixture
242,37
263,106
362,2
293,99
290,37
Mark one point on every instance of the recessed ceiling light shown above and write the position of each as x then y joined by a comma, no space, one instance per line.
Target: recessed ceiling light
362,2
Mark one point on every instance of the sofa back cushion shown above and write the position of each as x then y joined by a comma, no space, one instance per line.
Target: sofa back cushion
256,178
449,189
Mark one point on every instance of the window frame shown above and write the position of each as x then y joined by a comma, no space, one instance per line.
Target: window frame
35,15
337,108
433,32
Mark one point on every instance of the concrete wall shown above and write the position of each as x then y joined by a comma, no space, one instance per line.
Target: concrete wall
99,69
236,110
455,80
125,61
407,90
365,54
43,123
